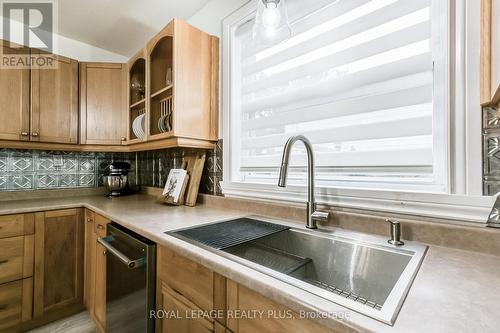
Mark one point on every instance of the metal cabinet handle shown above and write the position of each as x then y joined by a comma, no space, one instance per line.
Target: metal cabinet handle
24,133
131,264
89,220
100,226
35,134
124,138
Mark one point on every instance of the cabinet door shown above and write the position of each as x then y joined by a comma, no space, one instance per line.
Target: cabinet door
54,105
90,261
103,103
58,284
100,288
276,317
180,314
14,98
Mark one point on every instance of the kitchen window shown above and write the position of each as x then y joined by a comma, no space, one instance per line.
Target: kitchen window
368,82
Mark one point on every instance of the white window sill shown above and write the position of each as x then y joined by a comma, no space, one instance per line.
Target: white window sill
444,206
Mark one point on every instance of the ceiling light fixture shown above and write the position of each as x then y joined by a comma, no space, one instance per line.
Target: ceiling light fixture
271,23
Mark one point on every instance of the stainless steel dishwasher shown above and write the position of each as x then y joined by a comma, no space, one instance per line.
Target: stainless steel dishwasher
130,280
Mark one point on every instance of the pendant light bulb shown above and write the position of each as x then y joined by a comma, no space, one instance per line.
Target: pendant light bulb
271,16
271,25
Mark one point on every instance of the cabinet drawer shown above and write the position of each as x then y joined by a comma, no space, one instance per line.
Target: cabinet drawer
11,225
184,322
16,258
11,304
188,278
11,259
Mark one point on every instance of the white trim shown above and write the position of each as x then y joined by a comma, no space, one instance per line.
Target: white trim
473,112
453,207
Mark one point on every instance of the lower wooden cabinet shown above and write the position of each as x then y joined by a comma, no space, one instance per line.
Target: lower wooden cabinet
16,271
100,288
187,290
15,304
182,315
58,278
95,268
275,318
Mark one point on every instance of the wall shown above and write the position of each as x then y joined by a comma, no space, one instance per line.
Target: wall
81,51
209,18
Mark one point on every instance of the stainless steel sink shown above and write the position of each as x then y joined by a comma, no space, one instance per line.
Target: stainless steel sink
361,272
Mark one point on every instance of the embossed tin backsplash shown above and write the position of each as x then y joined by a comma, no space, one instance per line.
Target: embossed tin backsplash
36,170
491,151
154,167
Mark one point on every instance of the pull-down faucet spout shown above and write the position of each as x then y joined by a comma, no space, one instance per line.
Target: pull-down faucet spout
312,215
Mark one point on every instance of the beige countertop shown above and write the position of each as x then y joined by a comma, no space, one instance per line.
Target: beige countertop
454,291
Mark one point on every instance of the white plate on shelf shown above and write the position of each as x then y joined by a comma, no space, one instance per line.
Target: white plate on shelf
138,126
141,130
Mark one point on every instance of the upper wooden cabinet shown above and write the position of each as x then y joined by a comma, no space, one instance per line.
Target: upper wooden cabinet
103,103
173,83
14,99
39,105
490,52
54,102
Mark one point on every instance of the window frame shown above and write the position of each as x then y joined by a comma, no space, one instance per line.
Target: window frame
457,92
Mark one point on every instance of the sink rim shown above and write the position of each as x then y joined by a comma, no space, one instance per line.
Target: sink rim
392,305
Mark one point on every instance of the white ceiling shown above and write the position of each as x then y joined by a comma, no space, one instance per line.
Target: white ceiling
120,26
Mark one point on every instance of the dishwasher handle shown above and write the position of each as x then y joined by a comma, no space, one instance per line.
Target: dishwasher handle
131,264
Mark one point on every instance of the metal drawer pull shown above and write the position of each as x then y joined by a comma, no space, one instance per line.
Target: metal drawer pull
131,264
89,220
4,261
35,134
100,226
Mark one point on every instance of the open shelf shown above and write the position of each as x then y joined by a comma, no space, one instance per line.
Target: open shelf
137,77
161,91
161,64
142,101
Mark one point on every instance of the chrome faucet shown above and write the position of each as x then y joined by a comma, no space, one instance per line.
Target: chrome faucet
312,214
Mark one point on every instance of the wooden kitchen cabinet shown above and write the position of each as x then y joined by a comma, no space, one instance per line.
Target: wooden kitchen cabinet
54,102
100,288
14,98
103,103
58,277
178,70
95,268
277,318
16,300
89,261
16,271
184,286
490,52
186,320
